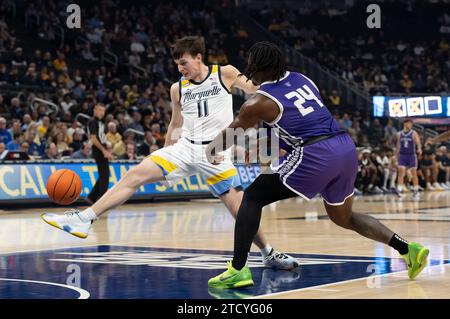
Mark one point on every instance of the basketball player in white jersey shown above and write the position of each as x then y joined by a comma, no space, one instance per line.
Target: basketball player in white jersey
202,107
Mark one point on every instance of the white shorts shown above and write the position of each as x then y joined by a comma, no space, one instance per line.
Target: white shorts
184,159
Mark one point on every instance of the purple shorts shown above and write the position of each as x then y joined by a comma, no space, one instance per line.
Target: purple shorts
407,160
328,167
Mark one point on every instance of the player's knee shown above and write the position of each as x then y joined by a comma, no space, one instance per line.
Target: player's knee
341,219
252,194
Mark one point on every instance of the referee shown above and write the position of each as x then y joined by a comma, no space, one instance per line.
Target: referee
97,135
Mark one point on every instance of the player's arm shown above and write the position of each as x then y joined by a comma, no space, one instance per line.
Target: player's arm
176,122
258,108
418,143
439,138
232,78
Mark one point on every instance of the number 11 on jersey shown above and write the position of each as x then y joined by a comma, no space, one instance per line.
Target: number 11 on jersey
202,108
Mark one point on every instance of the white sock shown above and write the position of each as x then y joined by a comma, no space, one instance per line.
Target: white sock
87,215
266,250
400,188
416,188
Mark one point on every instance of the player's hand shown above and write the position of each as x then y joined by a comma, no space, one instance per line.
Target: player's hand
429,141
108,155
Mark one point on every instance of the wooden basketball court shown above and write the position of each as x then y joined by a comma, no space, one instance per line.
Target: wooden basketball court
157,243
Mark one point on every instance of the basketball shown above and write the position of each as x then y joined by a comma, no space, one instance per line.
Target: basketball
64,186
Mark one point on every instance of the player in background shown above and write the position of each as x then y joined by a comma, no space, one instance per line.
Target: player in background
202,106
408,143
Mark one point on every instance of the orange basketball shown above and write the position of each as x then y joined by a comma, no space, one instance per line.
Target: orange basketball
64,186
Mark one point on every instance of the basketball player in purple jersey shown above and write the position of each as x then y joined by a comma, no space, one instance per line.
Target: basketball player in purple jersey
321,159
407,140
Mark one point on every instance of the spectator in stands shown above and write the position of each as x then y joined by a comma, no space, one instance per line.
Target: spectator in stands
43,126
368,173
67,102
84,152
15,127
334,98
18,59
33,148
51,152
5,135
61,144
429,170
130,153
115,139
75,126
145,147
376,132
24,146
26,120
15,110
136,124
406,83
442,159
153,148
136,46
345,122
15,143
156,132
59,63
77,140
3,107
87,54
390,134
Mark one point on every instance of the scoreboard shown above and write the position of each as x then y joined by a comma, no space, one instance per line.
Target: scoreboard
431,106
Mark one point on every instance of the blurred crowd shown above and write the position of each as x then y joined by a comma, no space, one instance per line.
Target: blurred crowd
409,53
49,90
75,76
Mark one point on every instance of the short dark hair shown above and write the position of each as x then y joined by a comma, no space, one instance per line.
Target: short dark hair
191,44
266,56
407,120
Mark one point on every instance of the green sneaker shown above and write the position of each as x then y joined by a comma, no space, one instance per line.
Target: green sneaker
232,278
416,259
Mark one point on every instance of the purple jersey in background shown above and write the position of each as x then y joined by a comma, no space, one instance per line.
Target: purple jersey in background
407,145
303,114
407,153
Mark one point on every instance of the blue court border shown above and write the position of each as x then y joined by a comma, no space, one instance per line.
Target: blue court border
129,281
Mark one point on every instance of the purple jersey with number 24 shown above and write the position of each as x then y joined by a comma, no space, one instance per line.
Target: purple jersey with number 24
328,167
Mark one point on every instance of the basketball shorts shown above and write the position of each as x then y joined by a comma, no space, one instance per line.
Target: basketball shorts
184,159
328,167
407,160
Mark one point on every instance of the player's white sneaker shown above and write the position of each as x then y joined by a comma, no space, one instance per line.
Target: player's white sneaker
429,187
437,186
280,261
70,222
